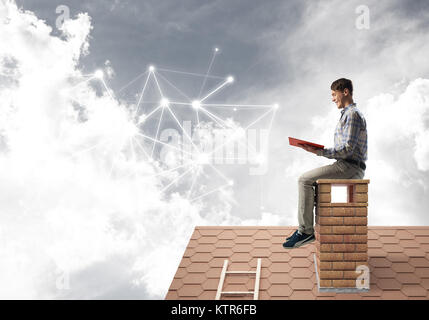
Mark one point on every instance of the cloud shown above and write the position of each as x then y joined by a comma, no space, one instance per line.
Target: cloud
78,199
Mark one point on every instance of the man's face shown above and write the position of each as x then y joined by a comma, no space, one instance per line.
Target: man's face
338,97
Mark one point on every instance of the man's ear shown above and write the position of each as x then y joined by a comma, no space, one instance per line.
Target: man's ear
346,92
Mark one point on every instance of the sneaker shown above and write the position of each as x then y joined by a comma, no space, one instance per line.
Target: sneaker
296,231
298,240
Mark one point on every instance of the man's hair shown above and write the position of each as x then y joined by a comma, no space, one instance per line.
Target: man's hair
342,84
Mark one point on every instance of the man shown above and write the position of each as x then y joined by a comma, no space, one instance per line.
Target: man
350,151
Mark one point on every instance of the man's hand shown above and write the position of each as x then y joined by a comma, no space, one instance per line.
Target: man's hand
308,148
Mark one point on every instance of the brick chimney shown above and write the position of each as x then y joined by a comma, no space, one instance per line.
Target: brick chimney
342,237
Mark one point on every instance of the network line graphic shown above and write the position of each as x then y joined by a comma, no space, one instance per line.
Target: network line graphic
189,151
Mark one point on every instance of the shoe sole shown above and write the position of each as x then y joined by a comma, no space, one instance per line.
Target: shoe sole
300,243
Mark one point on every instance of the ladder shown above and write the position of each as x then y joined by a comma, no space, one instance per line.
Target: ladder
255,292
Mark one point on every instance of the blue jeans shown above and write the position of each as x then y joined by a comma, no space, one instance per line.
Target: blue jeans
340,169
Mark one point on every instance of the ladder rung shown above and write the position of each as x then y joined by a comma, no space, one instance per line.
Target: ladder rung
237,292
241,272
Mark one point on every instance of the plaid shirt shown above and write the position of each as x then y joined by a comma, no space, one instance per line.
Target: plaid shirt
350,138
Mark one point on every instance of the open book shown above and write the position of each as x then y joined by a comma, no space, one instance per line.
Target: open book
295,142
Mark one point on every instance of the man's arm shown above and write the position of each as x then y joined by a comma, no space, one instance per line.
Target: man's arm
350,139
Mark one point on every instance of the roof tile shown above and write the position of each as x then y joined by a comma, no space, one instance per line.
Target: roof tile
194,278
419,262
300,262
227,235
383,273
414,290
262,234
190,290
280,257
241,257
408,278
261,252
244,239
279,290
393,248
404,235
394,295
198,267
397,257
402,267
205,248
422,239
422,272
302,295
388,239
412,252
298,273
280,278
222,252
301,284
279,267
389,284
210,284
398,261
201,257
262,243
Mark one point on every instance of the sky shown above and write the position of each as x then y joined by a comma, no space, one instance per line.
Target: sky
84,212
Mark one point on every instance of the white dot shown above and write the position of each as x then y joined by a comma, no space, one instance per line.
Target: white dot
151,68
196,104
231,182
98,74
203,158
142,118
276,106
164,102
216,49
230,79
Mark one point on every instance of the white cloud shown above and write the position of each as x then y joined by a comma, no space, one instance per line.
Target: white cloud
71,193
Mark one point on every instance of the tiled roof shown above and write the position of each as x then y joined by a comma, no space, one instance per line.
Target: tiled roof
398,261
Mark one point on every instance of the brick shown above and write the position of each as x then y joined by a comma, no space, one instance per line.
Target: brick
343,265
343,212
343,229
325,283
326,274
363,188
360,197
331,221
332,256
325,230
356,221
333,238
343,247
323,212
343,283
361,212
361,229
325,247
355,238
361,263
325,265
351,275
324,188
356,256
324,197
361,247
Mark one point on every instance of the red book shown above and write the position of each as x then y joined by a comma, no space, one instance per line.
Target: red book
295,142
